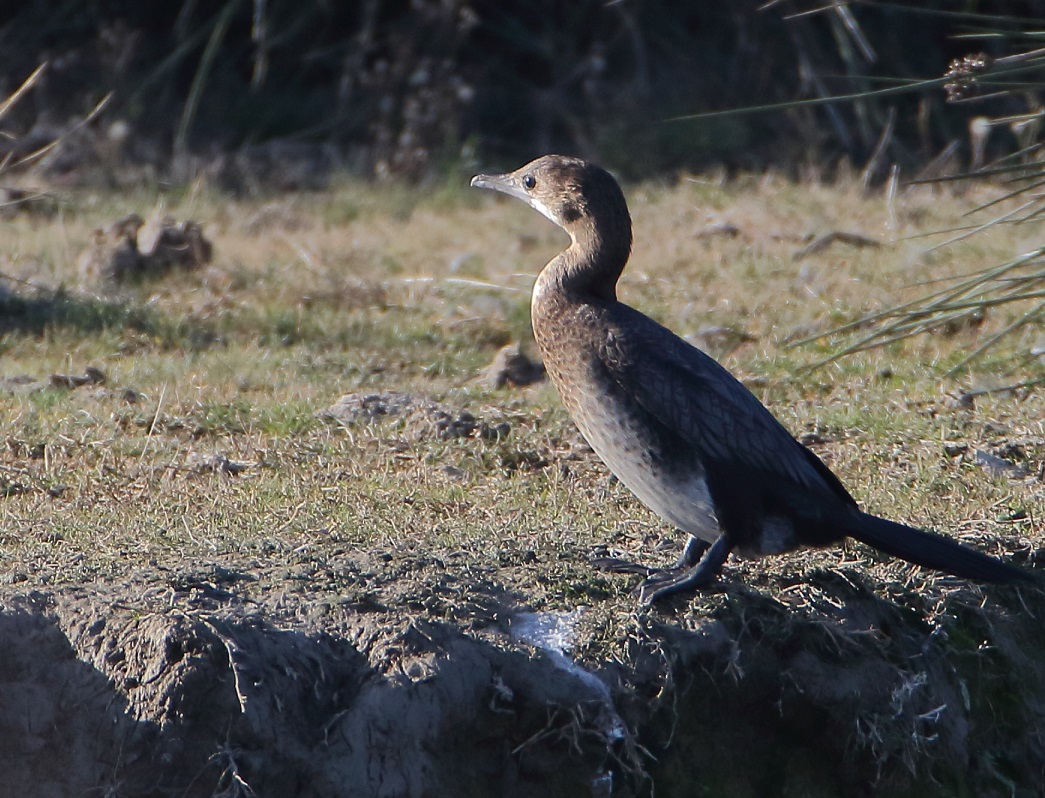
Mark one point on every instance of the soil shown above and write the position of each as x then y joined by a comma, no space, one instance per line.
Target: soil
402,679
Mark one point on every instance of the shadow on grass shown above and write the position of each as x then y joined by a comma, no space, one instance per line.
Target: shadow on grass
34,311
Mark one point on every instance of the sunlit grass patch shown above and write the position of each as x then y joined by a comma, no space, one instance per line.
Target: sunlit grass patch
208,440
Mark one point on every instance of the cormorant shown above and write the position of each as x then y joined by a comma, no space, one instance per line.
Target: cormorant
672,424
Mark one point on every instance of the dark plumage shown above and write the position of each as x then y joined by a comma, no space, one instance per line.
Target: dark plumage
673,425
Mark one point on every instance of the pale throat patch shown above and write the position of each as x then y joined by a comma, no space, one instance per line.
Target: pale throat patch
538,206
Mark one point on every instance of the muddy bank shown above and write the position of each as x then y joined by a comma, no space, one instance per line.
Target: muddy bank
192,686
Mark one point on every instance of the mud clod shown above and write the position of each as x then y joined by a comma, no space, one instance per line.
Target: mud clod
512,366
117,256
420,416
91,376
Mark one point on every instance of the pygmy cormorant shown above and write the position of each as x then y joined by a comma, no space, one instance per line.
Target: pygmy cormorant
674,426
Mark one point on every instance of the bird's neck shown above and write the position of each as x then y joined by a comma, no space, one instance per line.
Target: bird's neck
592,264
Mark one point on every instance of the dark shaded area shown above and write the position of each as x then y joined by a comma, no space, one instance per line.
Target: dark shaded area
35,311
853,695
401,87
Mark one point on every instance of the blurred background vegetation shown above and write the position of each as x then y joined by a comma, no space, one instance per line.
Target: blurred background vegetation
406,88
265,96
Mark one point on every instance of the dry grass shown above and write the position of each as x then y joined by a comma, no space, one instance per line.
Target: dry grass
373,290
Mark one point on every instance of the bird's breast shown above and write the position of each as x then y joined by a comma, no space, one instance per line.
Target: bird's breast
669,481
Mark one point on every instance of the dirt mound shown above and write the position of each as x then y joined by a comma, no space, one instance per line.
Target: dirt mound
98,697
223,683
116,254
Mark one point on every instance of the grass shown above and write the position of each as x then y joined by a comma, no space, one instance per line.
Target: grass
365,289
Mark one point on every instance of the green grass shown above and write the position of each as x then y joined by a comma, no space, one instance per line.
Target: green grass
366,289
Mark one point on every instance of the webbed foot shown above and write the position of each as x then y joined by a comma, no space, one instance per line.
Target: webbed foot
695,568
685,579
690,556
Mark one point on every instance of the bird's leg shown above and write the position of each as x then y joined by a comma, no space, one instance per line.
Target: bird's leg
691,554
686,580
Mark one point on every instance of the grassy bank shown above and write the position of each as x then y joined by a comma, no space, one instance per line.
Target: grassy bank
372,290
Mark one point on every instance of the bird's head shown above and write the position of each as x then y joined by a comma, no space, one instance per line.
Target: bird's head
578,196
587,203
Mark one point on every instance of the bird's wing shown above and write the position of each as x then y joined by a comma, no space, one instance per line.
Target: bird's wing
706,406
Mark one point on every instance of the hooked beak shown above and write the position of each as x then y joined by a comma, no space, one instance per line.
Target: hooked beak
506,184
511,184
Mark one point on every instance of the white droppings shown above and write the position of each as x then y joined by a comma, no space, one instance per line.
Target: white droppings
555,633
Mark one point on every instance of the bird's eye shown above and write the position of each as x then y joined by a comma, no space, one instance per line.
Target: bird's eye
529,182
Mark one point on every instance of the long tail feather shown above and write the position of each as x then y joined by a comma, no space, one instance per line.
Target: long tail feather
935,551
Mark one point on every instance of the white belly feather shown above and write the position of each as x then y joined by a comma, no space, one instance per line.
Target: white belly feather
681,500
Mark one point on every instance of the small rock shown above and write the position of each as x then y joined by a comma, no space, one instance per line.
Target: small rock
460,426
999,467
178,246
456,473
423,416
115,255
91,376
354,407
960,401
220,464
715,229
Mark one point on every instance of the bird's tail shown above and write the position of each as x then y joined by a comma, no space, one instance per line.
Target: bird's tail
934,551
